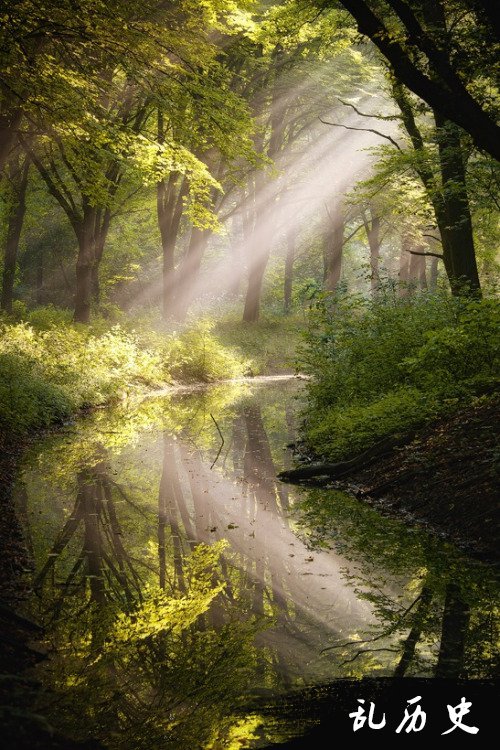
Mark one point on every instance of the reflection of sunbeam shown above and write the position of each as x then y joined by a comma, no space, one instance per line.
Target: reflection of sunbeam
256,528
325,163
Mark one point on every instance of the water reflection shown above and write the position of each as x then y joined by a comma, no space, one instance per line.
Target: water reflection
439,615
173,588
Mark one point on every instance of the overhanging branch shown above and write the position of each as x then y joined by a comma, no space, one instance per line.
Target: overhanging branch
366,130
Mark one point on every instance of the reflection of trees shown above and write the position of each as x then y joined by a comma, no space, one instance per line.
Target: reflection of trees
435,611
103,562
456,618
410,644
136,663
264,491
189,510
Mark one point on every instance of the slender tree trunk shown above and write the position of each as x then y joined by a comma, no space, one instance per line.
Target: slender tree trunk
85,264
9,124
415,269
103,220
19,180
169,203
257,266
333,246
422,275
254,291
433,275
237,260
288,281
404,268
373,236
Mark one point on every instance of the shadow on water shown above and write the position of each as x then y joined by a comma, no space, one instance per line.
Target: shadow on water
179,597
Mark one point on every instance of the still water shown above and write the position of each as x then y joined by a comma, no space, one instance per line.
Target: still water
177,579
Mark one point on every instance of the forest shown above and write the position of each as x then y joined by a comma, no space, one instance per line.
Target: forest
249,332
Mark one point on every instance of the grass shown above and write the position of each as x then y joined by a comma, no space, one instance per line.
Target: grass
267,347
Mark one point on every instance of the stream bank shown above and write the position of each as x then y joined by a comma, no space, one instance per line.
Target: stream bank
443,477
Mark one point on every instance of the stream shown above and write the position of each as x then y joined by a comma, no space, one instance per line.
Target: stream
177,579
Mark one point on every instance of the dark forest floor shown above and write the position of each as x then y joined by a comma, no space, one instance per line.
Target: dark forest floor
446,478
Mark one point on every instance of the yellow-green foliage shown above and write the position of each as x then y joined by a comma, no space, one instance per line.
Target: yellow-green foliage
197,355
138,674
160,612
49,372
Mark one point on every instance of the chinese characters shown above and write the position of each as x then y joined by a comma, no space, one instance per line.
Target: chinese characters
414,719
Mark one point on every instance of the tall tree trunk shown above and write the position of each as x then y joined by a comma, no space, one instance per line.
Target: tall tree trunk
456,618
18,174
415,268
256,273
257,266
333,246
103,220
85,264
456,232
404,267
10,121
169,207
433,275
169,204
237,261
448,194
288,281
372,230
422,276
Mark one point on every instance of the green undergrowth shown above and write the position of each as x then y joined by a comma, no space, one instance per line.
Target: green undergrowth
387,366
50,368
267,347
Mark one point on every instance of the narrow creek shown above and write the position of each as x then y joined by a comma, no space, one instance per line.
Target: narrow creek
154,635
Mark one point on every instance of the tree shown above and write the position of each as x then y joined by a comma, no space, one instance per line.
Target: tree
447,191
16,180
441,51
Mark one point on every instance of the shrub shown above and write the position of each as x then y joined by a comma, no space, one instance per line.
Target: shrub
196,355
339,432
52,370
387,365
27,400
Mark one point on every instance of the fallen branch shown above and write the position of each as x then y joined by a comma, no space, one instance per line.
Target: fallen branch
341,468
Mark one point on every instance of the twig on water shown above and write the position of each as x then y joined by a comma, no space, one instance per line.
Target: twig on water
222,439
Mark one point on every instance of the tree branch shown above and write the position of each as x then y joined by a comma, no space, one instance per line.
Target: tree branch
426,255
365,114
454,103
366,130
